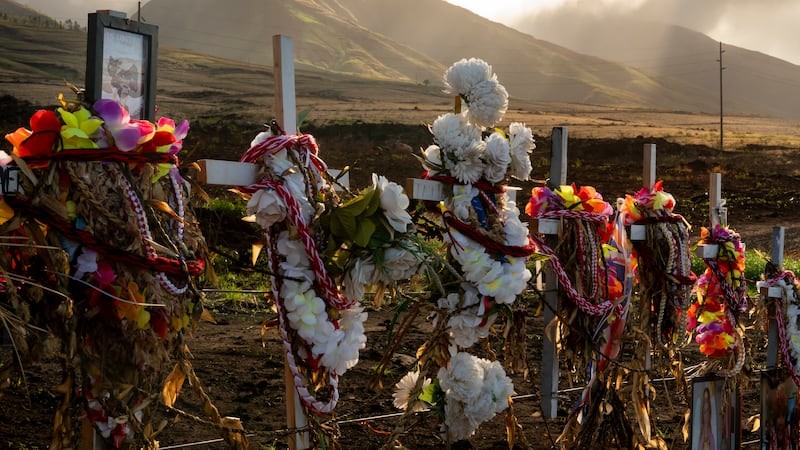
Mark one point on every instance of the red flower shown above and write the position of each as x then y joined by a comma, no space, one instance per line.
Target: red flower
45,130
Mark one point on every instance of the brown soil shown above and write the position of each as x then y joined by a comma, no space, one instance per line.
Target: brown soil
244,376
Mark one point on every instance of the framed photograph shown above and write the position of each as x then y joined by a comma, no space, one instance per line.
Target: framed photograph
780,418
121,60
715,414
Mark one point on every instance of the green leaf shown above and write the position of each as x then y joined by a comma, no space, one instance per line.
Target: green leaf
358,204
374,204
301,116
432,394
366,227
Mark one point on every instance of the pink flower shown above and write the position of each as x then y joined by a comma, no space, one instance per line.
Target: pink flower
127,133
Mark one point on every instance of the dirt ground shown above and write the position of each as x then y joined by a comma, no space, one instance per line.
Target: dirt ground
244,376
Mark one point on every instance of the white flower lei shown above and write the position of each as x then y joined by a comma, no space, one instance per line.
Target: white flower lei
791,310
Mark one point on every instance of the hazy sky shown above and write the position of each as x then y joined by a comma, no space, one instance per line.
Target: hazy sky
768,26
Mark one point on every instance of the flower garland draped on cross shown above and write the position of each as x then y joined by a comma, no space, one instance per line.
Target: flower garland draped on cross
578,263
485,240
721,298
664,267
324,250
787,317
108,192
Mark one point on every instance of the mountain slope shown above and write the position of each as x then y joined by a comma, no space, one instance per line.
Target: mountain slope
753,83
324,37
530,68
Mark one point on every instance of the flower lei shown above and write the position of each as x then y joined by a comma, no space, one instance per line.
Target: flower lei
787,316
721,297
314,238
663,260
486,240
582,204
105,171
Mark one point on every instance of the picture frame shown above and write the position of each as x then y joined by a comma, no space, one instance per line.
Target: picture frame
121,62
715,417
780,412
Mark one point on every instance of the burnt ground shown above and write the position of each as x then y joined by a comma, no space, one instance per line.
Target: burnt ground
244,376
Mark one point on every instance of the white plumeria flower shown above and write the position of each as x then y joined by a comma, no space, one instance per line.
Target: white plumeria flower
394,203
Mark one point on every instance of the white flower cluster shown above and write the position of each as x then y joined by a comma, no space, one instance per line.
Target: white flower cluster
396,262
473,80
475,390
458,149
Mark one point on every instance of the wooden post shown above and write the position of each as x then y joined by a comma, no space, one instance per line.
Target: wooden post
772,333
717,212
286,113
649,166
558,177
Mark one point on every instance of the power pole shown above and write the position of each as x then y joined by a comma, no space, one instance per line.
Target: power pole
721,51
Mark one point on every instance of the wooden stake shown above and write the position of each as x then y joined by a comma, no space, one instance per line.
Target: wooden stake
286,113
772,333
558,177
716,206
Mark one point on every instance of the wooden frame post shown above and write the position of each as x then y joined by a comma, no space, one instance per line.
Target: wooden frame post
772,331
558,177
286,113
717,212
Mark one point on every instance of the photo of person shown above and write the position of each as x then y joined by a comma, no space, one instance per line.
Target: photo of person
704,420
780,420
124,69
714,415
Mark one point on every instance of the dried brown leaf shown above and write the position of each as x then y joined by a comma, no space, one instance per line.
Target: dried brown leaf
172,385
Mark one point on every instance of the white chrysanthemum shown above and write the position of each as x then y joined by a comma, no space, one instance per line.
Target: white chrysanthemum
516,232
433,159
393,203
497,386
266,207
452,132
462,378
462,200
497,158
487,103
402,394
467,163
399,264
456,425
464,75
468,327
521,146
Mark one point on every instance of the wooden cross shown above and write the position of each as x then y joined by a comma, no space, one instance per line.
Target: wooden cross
717,214
232,173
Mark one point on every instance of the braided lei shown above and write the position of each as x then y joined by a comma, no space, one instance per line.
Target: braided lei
314,239
721,298
663,260
787,316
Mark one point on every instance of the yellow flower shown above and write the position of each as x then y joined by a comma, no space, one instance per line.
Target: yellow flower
78,128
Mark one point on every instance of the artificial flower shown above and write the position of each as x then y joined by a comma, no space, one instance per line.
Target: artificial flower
472,79
466,164
393,203
497,158
520,148
40,140
265,208
399,264
401,398
462,379
127,133
79,128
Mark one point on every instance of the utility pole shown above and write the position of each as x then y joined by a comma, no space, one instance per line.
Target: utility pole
721,51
